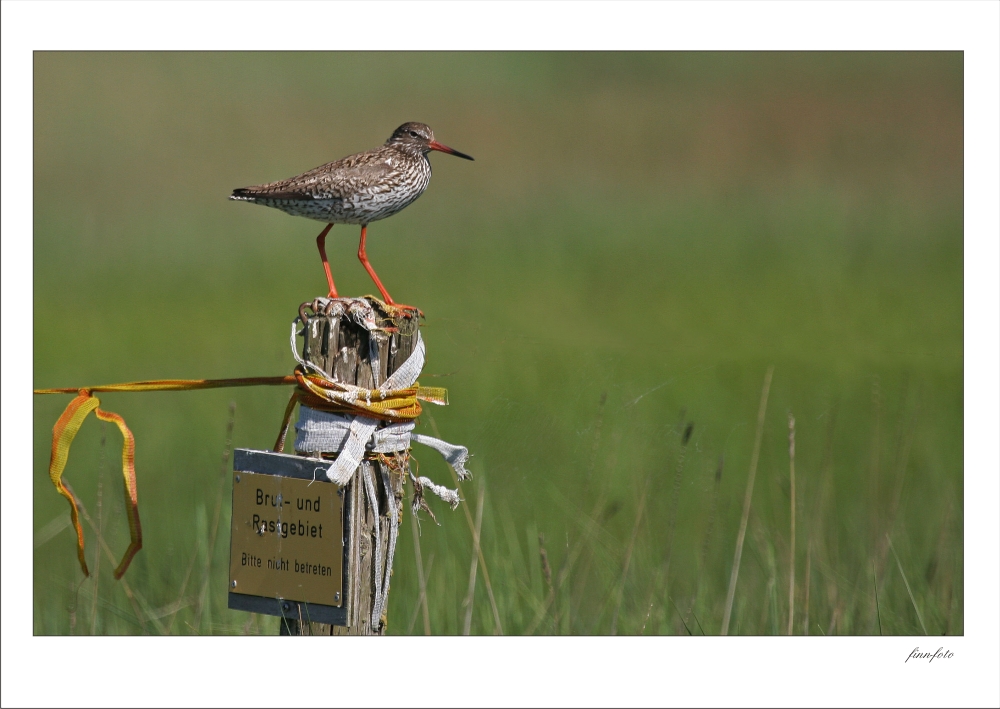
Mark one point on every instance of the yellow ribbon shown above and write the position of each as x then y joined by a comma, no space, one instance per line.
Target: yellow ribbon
314,390
63,434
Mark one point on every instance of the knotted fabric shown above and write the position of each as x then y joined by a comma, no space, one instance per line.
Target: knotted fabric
389,429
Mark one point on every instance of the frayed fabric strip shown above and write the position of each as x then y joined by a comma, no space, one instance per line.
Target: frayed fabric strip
352,436
457,456
360,431
449,496
378,609
323,432
366,475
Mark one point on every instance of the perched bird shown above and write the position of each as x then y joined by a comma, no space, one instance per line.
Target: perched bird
358,189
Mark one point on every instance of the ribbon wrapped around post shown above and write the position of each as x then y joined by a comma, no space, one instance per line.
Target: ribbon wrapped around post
323,428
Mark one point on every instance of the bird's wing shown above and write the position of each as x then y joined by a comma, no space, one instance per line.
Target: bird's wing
335,180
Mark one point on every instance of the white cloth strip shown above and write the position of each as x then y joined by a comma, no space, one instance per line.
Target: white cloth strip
449,496
393,514
457,456
366,474
349,457
323,432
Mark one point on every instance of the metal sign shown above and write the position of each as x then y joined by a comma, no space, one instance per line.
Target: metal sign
287,552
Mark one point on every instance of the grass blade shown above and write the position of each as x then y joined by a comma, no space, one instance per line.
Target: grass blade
422,602
100,525
791,553
470,596
421,578
479,550
679,615
878,611
223,478
141,608
746,501
52,529
907,583
628,557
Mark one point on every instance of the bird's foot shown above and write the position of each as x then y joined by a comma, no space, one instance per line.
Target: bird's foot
401,310
408,311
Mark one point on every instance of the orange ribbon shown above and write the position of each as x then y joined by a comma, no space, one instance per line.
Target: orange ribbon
177,385
318,392
63,434
72,419
314,390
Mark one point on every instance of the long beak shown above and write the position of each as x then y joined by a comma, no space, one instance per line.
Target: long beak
434,145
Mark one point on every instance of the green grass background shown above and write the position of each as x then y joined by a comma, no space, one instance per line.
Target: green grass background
647,230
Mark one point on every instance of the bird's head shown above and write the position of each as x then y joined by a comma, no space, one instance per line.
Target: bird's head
419,138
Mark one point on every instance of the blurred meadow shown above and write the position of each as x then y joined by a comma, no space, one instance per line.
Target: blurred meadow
641,237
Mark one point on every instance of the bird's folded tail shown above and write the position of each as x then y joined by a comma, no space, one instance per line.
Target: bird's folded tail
243,193
252,194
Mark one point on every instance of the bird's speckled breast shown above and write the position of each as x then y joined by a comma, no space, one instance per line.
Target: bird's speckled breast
364,204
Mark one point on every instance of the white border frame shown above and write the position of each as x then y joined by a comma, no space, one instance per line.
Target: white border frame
486,671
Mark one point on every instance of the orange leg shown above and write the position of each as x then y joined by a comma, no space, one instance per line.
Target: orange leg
368,266
321,243
371,272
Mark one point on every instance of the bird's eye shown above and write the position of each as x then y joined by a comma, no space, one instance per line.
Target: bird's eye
413,133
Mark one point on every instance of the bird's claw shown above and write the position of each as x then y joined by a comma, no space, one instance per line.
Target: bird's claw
409,311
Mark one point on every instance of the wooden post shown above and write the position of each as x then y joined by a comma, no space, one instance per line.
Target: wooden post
341,349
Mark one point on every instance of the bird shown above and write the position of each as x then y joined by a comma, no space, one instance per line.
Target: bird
358,189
